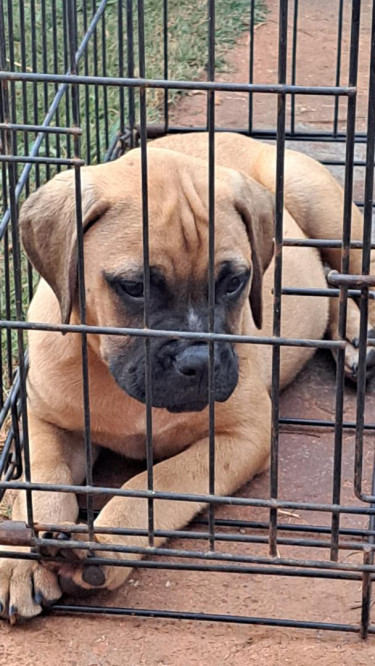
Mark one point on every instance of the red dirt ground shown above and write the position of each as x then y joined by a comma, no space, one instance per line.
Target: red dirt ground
305,463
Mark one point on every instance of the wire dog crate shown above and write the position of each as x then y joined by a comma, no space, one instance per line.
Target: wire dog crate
75,111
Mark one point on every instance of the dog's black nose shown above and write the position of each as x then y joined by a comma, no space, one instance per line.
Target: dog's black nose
193,361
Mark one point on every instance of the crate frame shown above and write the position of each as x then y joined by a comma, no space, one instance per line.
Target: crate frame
14,458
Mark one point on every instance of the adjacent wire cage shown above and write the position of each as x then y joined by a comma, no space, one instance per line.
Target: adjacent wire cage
63,104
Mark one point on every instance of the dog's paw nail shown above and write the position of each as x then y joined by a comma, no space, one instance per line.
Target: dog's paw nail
355,343
1,607
13,614
93,575
38,598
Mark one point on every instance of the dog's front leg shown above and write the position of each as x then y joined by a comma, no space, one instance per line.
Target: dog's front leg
57,457
239,455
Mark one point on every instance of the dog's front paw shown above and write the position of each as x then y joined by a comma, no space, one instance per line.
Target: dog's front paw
25,587
77,575
352,339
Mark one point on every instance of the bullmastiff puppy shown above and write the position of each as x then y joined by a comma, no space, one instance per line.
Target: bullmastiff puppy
113,250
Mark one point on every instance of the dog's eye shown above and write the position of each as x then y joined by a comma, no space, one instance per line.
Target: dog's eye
233,285
133,289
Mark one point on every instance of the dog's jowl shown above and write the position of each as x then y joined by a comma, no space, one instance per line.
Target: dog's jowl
178,301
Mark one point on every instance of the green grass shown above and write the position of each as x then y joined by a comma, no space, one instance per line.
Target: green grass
187,53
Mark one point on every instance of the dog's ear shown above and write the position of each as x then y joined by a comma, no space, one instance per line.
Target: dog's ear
255,205
49,233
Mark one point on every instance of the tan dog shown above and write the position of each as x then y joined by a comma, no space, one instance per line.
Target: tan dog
178,213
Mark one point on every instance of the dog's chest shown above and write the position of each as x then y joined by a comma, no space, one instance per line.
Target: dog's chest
126,433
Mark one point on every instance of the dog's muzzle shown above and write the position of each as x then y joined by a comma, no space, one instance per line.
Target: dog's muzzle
179,371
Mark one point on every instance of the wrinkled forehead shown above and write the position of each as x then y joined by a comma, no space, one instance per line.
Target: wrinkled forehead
178,224
178,240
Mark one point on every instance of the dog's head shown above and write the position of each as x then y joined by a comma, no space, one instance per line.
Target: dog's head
178,259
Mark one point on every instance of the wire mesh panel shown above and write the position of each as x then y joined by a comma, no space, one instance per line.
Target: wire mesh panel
79,88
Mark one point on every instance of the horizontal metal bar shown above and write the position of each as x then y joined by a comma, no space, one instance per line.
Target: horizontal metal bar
358,164
345,280
231,523
212,556
197,566
323,243
155,131
322,423
79,528
175,335
324,293
26,159
197,554
12,127
270,135
17,534
346,91
207,617
186,497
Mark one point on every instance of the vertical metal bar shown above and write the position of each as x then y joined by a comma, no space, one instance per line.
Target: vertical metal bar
96,88
45,70
105,89
280,151
24,84
146,271
251,65
294,67
368,558
7,288
120,46
25,122
71,23
4,178
66,37
10,148
87,92
4,109
56,70
130,70
338,65
345,256
366,257
2,387
368,555
11,84
211,264
34,66
165,73
366,594
10,141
